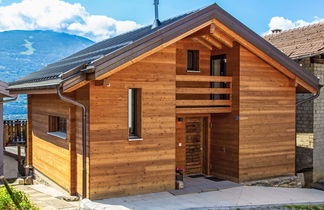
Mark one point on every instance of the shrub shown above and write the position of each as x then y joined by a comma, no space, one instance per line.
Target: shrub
7,203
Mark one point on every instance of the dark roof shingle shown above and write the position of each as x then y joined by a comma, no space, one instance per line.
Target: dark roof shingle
87,55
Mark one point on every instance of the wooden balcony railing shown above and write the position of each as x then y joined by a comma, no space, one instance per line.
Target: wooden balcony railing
14,132
215,100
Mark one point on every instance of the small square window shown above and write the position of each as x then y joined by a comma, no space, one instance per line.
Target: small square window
193,60
57,126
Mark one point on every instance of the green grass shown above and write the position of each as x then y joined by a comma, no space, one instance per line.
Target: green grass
7,203
305,207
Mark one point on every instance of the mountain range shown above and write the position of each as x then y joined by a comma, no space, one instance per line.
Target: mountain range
23,52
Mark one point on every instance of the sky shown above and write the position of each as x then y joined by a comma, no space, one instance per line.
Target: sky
100,19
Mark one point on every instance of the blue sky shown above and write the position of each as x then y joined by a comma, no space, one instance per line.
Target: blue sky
256,14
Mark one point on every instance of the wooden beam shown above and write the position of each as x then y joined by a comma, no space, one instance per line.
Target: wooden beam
204,91
212,28
203,110
135,60
190,78
213,41
262,55
29,143
203,102
220,36
76,86
203,42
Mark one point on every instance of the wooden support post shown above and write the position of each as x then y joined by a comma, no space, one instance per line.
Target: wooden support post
29,143
1,138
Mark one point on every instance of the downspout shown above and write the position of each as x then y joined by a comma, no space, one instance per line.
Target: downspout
84,133
311,98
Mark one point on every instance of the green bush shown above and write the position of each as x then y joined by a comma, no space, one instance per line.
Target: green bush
7,203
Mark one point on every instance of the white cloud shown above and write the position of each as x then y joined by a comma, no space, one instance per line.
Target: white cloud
60,16
285,24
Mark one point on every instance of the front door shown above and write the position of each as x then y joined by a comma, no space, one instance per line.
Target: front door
192,144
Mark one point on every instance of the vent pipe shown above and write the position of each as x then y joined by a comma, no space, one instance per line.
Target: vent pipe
156,22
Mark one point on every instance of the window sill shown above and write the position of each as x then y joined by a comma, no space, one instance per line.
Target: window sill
135,139
57,134
193,71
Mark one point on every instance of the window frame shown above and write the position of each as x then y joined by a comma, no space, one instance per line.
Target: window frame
193,59
134,119
54,125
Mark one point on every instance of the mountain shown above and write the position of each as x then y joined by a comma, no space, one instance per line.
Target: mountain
23,52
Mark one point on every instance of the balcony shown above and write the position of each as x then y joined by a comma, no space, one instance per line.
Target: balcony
203,94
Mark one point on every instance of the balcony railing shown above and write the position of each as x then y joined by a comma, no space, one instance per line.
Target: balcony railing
14,132
203,98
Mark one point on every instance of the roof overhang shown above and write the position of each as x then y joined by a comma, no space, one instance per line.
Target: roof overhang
148,45
4,93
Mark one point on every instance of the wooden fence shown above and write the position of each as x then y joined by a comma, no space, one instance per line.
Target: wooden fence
14,132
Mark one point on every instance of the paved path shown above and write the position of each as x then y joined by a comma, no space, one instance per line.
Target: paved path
237,196
47,198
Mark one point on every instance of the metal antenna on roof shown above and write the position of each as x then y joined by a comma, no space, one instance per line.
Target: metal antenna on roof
156,22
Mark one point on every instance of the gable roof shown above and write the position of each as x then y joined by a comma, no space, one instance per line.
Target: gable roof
111,53
300,42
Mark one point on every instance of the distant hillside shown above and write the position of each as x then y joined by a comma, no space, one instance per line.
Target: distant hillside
22,52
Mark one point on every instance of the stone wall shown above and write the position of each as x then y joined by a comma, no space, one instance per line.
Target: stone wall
304,115
318,153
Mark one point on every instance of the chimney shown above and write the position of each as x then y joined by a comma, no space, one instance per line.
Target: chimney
276,31
156,22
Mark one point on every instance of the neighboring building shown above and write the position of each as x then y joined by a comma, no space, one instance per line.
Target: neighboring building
3,94
201,92
305,45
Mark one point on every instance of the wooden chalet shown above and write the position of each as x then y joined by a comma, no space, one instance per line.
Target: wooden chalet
200,91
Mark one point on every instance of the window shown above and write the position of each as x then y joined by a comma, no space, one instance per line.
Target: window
218,68
193,60
134,113
57,126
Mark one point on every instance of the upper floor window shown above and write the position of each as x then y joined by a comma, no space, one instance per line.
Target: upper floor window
57,126
134,113
193,60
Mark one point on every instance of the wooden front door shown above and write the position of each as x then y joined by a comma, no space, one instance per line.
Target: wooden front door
192,144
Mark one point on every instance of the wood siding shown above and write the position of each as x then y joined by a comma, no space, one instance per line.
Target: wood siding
181,62
58,159
120,167
50,154
225,127
267,120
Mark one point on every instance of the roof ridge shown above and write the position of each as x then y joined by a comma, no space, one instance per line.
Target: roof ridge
294,29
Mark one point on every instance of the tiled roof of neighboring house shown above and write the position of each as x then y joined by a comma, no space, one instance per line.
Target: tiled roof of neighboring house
300,42
116,51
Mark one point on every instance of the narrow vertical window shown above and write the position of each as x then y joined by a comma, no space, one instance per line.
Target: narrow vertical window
134,113
218,68
193,60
